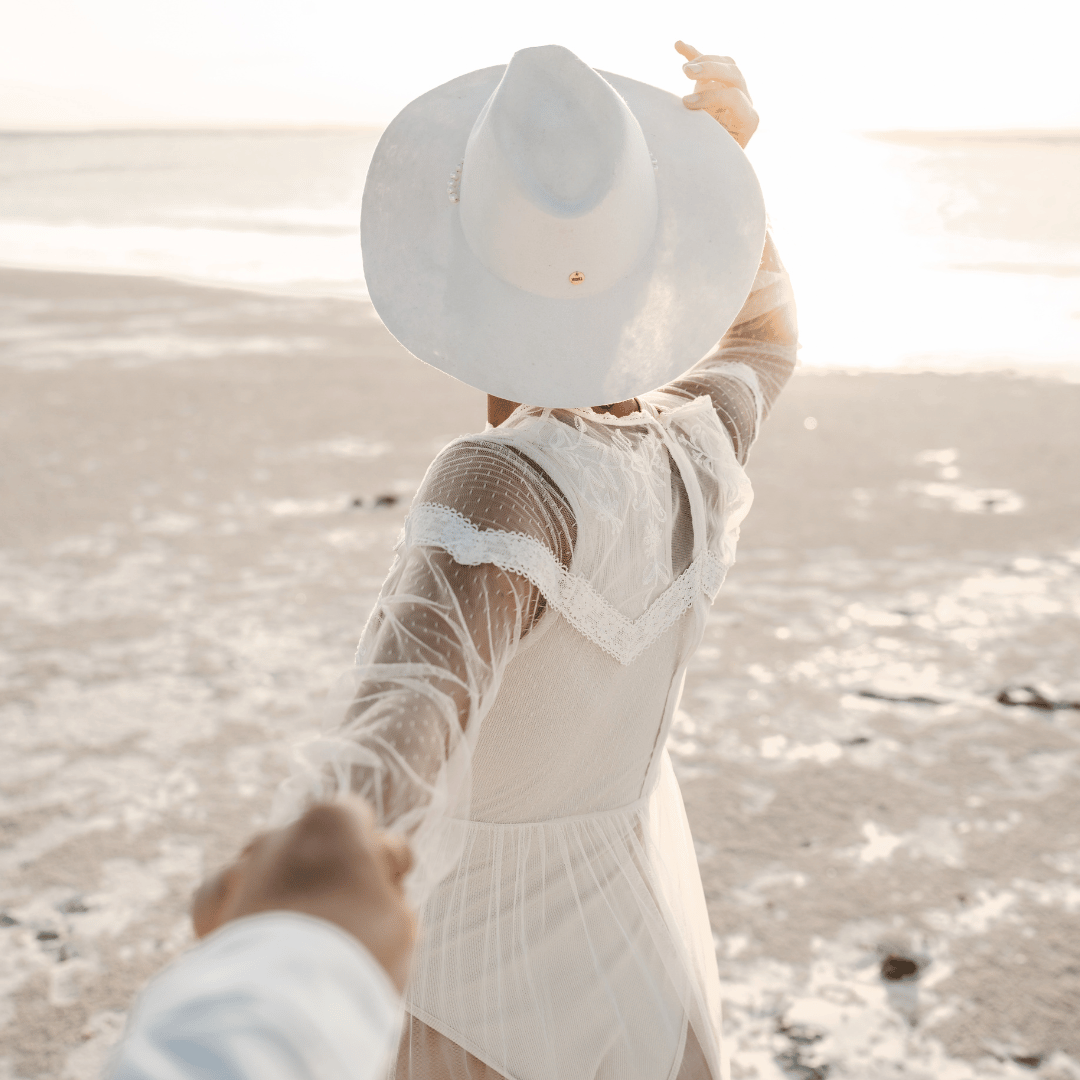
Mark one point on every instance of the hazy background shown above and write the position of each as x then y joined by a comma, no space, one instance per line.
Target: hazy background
828,66
954,249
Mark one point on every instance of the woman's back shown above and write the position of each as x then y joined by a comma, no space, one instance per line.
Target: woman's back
578,718
573,732
576,906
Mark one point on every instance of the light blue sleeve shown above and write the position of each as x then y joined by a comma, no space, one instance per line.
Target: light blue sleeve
277,996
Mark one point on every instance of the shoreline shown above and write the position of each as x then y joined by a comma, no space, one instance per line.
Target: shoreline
1064,371
294,291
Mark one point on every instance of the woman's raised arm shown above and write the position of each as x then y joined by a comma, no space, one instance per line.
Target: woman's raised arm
750,365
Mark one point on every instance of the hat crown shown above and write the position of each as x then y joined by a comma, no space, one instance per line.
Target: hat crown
560,126
558,193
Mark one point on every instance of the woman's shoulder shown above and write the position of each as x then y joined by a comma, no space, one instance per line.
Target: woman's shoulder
502,451
536,440
491,480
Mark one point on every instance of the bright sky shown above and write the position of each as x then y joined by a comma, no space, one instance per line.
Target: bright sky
847,64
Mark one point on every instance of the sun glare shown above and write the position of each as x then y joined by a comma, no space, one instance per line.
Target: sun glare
839,64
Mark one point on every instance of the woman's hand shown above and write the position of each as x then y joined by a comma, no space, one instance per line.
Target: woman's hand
332,863
720,90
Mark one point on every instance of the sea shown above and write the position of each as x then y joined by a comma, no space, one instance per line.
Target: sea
909,250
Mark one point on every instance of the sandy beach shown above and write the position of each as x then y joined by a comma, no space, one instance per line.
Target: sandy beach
201,489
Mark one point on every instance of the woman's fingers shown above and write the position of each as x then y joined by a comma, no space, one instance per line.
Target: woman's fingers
397,856
720,90
703,68
730,107
331,863
211,898
720,69
686,50
208,902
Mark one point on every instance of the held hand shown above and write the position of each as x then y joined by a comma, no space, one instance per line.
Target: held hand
720,90
332,863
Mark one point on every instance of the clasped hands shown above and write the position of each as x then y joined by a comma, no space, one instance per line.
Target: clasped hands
333,864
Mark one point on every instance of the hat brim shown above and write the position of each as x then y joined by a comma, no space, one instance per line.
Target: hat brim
450,311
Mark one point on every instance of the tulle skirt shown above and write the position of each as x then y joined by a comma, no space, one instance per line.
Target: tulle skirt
577,948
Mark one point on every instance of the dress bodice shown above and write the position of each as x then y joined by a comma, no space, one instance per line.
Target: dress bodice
574,732
585,703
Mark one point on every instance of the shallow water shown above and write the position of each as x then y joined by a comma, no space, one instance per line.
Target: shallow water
277,210
927,250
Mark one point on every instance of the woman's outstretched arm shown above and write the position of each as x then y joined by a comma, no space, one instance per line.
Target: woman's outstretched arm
447,621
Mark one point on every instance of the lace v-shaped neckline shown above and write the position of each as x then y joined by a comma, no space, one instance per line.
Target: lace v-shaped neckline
568,593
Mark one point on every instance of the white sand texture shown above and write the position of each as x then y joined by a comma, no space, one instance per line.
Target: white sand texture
200,492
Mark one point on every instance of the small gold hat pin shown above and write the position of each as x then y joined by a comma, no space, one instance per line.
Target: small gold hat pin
577,277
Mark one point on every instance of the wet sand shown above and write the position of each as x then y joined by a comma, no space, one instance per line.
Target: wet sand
200,491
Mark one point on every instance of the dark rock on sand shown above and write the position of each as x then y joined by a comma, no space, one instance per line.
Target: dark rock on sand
897,968
1029,696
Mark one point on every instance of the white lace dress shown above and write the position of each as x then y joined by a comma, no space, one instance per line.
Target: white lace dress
509,709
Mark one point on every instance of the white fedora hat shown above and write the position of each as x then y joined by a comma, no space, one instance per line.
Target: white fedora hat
556,235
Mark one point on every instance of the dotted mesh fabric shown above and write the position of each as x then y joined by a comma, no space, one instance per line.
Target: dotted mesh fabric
571,530
498,487
431,656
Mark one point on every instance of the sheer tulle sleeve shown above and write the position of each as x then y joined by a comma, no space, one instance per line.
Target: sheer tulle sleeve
430,660
746,371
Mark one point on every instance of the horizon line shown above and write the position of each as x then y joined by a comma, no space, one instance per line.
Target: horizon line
192,128
262,127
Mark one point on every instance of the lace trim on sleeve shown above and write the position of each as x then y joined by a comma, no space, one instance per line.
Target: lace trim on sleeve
573,597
